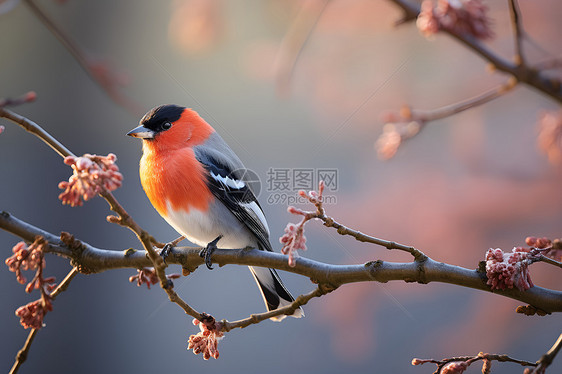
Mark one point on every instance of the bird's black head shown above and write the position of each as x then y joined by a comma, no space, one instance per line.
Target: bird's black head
157,117
157,120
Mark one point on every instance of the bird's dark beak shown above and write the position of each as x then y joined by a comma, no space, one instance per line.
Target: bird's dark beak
141,132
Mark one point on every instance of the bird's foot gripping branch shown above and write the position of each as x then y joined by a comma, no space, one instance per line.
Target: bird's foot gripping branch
504,274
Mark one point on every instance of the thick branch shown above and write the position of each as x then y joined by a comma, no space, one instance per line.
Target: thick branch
91,259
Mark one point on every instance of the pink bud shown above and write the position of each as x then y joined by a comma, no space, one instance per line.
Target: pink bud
455,367
30,96
83,163
69,160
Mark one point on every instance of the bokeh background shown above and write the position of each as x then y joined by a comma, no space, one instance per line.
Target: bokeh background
463,185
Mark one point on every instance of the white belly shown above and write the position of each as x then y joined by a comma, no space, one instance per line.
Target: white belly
203,227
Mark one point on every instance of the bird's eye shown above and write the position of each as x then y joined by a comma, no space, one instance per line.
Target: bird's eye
166,125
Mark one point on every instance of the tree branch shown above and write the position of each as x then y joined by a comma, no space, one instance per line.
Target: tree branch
98,72
449,110
36,130
517,31
550,261
24,351
549,356
295,39
146,239
409,122
468,360
520,71
539,367
90,259
288,310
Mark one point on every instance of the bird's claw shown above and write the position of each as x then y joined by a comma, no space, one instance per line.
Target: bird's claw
207,252
165,252
169,284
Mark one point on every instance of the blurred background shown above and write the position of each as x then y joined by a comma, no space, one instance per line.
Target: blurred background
463,185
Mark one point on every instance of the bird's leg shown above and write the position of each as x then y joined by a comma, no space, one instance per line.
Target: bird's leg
208,251
165,252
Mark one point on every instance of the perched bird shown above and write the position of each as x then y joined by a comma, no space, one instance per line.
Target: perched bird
197,184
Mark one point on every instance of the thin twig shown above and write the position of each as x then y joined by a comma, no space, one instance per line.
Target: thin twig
550,261
101,77
24,351
60,35
63,286
506,358
343,230
23,99
517,31
471,359
175,242
549,356
449,110
286,310
552,63
410,122
36,130
316,199
124,219
295,39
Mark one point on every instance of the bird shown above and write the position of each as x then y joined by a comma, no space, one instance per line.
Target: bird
198,185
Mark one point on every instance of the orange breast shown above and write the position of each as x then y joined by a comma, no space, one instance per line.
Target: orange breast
174,177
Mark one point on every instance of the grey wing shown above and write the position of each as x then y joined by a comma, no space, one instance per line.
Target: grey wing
226,178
